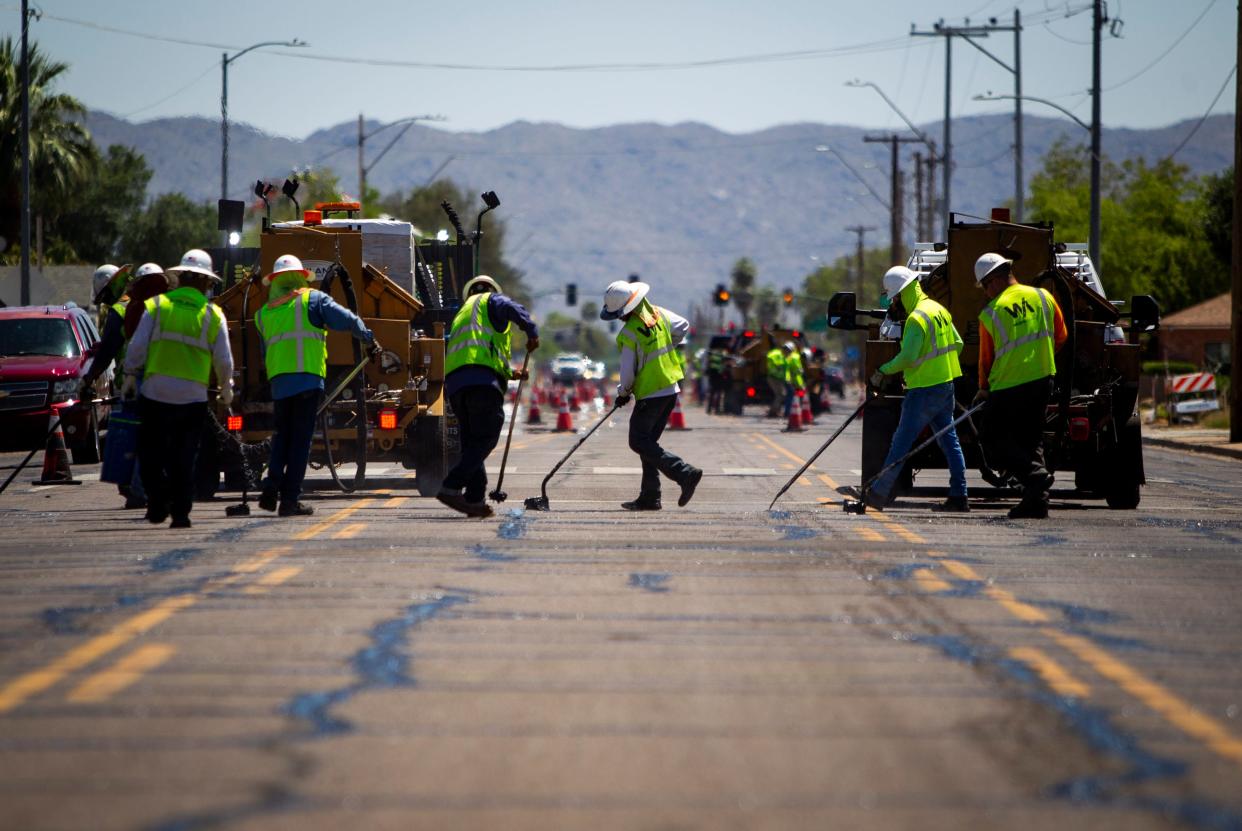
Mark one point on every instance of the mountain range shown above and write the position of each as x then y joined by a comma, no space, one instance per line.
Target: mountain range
676,204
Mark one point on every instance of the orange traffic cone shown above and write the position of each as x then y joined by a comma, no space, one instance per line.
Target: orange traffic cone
564,421
677,419
794,425
534,416
56,456
808,418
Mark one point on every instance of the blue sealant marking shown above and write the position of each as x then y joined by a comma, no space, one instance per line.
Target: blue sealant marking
175,560
649,582
780,514
796,532
1095,726
382,663
491,555
514,526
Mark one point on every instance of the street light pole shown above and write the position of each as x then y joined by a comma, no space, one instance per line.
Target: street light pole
364,168
25,222
1097,26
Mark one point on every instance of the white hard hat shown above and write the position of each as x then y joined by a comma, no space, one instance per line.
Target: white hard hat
195,261
287,264
896,279
621,298
789,346
988,263
102,279
147,269
483,280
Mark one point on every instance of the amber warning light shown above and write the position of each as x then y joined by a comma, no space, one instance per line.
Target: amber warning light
234,424
388,419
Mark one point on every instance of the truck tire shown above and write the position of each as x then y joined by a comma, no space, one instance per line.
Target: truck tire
1123,484
87,453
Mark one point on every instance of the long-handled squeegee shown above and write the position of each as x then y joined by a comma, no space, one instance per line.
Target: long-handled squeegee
540,503
859,506
498,495
822,448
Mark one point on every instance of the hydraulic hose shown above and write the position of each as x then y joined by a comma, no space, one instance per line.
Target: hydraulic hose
351,299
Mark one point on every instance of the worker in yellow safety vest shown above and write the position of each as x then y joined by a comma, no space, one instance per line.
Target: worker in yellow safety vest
651,366
1020,331
776,379
293,326
793,374
180,339
928,360
477,374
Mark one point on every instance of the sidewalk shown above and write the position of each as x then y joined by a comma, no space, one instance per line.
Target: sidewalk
1196,439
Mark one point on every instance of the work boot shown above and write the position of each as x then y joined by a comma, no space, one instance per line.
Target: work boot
267,499
953,505
1030,509
156,515
458,502
295,509
133,503
687,487
879,501
180,522
642,504
479,510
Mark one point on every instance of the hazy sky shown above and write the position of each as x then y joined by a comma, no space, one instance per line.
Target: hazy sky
143,78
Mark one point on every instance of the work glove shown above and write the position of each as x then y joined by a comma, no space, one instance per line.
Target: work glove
375,350
980,397
226,396
532,344
877,379
129,387
623,397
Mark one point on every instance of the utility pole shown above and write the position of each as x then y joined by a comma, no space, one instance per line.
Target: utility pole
969,33
1097,26
861,231
25,232
362,171
1235,330
932,212
896,249
919,212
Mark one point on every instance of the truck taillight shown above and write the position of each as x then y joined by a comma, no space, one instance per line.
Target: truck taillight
234,424
750,392
388,419
1079,429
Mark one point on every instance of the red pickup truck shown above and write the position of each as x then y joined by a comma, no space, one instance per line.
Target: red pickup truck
44,352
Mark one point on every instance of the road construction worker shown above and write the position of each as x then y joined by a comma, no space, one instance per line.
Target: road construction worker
148,281
650,369
1020,330
107,288
715,380
180,339
793,375
929,362
293,326
776,379
477,372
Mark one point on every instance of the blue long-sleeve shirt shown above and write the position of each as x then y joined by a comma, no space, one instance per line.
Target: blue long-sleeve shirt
324,313
501,310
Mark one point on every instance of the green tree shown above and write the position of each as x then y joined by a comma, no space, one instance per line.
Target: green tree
767,306
109,200
741,281
60,147
590,312
1218,214
169,227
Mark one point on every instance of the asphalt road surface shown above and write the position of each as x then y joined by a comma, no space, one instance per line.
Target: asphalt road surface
387,664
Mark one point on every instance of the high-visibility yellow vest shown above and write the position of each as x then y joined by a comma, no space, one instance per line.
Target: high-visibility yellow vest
793,369
776,364
185,328
1021,322
293,343
473,339
657,363
937,362
119,307
715,361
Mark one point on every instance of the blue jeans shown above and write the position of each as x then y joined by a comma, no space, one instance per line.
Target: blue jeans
293,428
923,407
789,397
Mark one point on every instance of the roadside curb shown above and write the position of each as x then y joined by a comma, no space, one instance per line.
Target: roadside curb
1210,449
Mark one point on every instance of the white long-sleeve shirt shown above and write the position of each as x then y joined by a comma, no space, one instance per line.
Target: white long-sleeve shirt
679,327
165,388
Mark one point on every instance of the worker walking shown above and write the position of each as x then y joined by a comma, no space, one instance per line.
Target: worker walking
929,362
180,338
293,335
715,381
1020,330
477,372
776,379
793,375
650,368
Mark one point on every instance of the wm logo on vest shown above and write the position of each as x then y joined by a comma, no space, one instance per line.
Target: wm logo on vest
1018,310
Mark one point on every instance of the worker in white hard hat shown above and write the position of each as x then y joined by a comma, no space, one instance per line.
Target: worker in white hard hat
123,318
651,366
793,375
180,339
107,288
477,372
928,360
293,335
1020,331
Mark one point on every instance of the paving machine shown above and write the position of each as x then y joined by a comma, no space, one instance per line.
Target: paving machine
1092,424
747,356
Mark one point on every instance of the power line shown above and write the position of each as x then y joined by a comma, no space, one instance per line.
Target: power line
1211,106
1166,52
177,91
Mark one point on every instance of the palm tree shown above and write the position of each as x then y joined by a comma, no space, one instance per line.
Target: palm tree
743,279
60,147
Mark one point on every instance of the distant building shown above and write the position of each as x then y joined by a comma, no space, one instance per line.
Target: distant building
1199,334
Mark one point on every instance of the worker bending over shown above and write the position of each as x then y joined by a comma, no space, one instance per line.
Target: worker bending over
179,339
1020,331
793,375
293,335
929,363
477,373
650,369
776,379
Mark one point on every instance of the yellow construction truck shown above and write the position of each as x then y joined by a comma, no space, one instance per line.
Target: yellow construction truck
395,410
1092,424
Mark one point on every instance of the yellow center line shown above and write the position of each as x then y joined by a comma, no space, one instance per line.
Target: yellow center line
349,531
802,480
124,673
960,570
395,502
896,527
868,534
928,581
275,578
1022,611
1052,673
319,527
1175,710
261,559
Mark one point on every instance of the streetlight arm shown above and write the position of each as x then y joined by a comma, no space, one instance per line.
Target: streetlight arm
409,120
295,42
1043,101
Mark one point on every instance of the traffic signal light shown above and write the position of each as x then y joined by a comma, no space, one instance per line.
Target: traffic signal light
788,297
721,297
571,294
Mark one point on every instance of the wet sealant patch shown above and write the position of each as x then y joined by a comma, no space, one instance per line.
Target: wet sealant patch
492,555
1096,727
514,524
650,582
